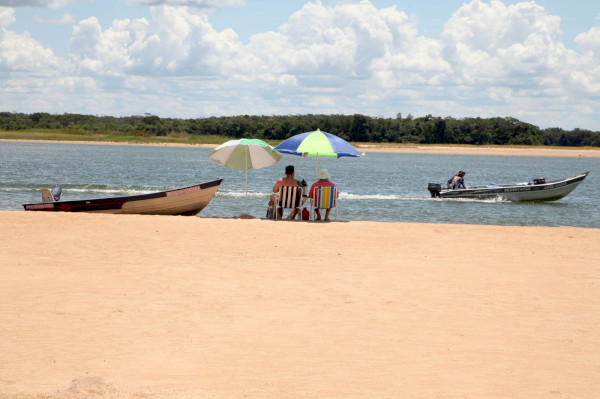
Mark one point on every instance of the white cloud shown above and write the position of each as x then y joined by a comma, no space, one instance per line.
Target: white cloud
493,59
590,40
494,43
363,51
175,41
7,16
66,19
39,3
510,59
21,53
207,5
339,40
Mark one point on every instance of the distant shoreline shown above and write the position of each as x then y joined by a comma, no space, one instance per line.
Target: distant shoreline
393,148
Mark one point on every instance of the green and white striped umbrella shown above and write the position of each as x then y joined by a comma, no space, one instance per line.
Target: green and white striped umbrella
244,154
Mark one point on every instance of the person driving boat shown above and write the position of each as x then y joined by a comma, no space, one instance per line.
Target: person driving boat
457,181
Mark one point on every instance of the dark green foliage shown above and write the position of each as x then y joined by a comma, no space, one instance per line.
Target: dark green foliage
356,128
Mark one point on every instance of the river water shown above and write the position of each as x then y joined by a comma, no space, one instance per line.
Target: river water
378,187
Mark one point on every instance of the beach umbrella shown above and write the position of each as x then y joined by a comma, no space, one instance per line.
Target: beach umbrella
318,144
244,154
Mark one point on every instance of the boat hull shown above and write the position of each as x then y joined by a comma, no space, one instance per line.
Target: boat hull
187,201
550,191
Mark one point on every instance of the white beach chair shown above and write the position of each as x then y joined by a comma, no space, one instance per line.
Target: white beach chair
288,197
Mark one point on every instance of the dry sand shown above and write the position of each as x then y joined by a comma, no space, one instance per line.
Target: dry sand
129,306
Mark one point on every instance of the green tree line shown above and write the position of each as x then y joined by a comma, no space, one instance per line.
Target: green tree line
356,128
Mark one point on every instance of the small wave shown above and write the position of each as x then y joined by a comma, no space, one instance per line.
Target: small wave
10,189
111,191
23,187
370,196
104,190
240,194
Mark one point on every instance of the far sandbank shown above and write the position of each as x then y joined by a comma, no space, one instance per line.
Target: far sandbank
404,149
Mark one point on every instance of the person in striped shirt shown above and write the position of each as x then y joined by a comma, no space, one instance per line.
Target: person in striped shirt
323,181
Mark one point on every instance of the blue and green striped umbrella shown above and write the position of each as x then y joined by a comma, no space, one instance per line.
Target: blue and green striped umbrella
318,144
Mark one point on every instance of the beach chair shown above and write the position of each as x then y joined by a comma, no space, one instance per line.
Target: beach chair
324,197
288,197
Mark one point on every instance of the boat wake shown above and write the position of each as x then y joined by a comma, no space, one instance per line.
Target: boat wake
494,200
224,193
99,191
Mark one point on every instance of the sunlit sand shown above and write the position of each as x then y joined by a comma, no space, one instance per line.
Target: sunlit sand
130,306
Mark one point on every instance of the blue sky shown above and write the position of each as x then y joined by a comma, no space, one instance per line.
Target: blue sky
532,60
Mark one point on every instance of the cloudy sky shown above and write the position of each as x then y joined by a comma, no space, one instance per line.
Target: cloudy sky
537,61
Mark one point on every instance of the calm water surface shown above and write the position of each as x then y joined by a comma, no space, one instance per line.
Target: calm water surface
377,187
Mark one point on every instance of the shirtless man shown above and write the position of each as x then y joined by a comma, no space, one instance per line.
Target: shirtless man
288,180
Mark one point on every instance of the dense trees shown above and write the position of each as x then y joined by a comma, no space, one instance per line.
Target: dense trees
357,128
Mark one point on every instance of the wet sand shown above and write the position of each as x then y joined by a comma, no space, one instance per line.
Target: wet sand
130,306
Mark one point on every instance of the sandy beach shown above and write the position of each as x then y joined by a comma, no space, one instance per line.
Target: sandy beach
130,306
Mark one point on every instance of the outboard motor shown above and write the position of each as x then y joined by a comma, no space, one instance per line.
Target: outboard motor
434,189
56,192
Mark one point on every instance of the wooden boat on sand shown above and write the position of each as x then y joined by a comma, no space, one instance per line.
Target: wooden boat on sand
187,201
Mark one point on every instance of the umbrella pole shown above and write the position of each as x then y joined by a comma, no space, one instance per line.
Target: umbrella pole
246,182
